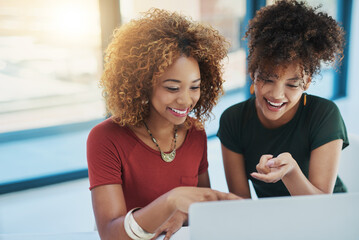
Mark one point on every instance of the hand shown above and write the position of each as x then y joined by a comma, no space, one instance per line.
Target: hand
271,170
181,198
172,225
262,165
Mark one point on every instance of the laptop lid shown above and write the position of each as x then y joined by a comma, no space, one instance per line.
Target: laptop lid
283,218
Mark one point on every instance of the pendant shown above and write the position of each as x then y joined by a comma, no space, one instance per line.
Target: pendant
168,157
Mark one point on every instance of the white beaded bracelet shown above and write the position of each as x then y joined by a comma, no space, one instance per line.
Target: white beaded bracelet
134,230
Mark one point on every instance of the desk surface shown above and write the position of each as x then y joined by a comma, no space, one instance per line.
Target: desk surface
182,234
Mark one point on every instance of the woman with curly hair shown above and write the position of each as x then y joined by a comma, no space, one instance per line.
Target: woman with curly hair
285,141
148,162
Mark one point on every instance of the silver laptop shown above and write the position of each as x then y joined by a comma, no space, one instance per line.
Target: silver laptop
283,218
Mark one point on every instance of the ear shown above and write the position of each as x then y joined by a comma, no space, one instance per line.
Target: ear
306,86
252,76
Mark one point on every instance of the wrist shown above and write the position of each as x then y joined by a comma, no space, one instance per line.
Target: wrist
183,216
292,172
133,229
171,201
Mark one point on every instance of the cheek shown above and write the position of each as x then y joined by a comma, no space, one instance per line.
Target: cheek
160,97
295,96
195,97
298,93
259,90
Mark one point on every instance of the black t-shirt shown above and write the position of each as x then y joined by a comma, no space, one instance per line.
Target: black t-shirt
313,125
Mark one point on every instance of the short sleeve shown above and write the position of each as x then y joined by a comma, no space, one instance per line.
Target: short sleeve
104,163
228,132
329,125
203,166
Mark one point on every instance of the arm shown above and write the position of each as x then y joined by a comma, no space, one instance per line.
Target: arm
234,168
323,168
110,208
203,180
179,218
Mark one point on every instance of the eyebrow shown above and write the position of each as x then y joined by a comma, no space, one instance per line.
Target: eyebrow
179,81
294,79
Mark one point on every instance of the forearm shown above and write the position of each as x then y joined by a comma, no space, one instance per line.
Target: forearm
298,184
114,230
155,214
149,218
243,193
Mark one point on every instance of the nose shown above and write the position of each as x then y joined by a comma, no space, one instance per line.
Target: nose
184,99
278,91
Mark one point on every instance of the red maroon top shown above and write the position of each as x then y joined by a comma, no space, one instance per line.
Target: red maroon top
115,155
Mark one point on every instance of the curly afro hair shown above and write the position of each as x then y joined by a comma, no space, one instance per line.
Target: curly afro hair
289,31
144,48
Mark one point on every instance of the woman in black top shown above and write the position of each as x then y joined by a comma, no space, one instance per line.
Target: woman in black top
285,141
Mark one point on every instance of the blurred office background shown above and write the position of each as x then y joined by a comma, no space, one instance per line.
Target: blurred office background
51,58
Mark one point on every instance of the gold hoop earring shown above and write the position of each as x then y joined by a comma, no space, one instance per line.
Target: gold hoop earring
251,89
305,99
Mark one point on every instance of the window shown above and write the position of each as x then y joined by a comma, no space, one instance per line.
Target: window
51,55
50,61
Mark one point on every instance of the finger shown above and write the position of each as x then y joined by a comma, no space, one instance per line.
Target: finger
168,235
261,166
276,162
208,195
268,178
260,176
227,196
284,155
158,232
220,195
232,196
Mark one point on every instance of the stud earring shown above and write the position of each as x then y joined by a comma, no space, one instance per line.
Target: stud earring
251,89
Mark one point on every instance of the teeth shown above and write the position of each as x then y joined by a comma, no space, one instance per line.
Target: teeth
178,111
275,104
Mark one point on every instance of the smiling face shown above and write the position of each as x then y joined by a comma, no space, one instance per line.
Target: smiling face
176,92
278,94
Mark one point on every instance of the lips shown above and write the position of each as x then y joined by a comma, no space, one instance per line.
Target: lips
274,105
179,112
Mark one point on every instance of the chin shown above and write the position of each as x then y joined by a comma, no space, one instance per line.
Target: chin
177,121
273,118
180,122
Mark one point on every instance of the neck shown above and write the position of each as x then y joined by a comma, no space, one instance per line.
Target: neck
158,125
159,128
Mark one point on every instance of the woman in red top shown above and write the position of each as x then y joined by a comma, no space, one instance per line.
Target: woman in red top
151,156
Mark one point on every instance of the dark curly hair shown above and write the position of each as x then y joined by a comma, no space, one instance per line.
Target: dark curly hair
289,31
144,48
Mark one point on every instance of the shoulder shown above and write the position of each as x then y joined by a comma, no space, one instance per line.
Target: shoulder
325,121
238,111
321,107
318,103
106,129
109,139
195,132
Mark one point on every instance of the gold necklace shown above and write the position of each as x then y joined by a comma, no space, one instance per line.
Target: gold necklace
167,157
